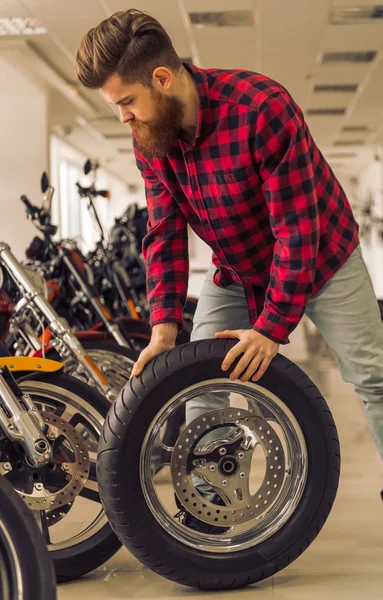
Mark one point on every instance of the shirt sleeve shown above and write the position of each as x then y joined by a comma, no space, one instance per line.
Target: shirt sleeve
165,250
286,166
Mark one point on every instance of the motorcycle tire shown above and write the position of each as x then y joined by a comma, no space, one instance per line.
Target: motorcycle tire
159,544
26,569
83,551
124,358
140,332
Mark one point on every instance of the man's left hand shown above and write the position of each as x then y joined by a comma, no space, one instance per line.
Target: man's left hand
257,350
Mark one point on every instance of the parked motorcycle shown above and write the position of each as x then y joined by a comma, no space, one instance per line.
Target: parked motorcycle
50,425
113,280
119,270
26,570
72,289
250,483
34,328
126,238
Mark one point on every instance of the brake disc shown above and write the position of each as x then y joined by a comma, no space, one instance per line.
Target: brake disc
224,462
67,473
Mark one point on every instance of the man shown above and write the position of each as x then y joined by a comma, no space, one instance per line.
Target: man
229,153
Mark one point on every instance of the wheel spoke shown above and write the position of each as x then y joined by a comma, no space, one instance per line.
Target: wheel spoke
90,492
43,523
68,416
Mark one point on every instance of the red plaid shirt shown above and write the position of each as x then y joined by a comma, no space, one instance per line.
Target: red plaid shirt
254,186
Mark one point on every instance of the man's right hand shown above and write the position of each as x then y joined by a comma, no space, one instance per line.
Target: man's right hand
163,339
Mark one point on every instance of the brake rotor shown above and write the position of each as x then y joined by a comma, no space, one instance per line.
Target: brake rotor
70,468
225,464
55,516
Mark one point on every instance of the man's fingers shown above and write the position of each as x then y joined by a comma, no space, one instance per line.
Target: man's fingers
228,333
231,356
251,369
261,369
242,364
145,357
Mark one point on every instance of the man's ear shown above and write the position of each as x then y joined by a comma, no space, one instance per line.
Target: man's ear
162,78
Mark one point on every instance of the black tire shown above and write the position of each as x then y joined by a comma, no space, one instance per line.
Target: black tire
121,492
133,327
103,345
190,307
85,556
106,346
188,314
138,333
22,551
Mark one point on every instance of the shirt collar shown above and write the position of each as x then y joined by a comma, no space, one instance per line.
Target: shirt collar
201,79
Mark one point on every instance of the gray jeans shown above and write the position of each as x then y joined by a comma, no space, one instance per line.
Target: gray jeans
346,313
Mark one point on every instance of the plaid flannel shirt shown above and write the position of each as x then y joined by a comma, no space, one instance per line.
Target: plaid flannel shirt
255,187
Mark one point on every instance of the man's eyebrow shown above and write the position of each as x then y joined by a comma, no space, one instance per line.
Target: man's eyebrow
122,100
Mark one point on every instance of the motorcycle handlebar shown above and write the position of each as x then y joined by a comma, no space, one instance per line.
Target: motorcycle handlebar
31,209
85,191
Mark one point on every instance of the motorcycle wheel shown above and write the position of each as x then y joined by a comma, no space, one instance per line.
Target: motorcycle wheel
189,311
140,332
271,459
66,500
26,570
114,361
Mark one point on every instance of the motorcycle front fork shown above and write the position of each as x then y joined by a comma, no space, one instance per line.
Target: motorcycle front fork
21,422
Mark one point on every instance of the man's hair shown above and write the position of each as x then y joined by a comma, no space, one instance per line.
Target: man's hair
131,44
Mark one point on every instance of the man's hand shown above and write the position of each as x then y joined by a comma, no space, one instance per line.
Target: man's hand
163,339
257,350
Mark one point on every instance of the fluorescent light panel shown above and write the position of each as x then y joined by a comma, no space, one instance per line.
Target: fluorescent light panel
21,26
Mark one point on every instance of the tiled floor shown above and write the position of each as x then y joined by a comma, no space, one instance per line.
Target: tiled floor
344,562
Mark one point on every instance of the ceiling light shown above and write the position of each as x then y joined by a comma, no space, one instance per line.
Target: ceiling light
21,26
228,18
341,154
320,112
345,88
349,143
348,57
356,15
358,128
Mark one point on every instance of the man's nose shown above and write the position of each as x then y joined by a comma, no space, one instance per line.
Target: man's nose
125,115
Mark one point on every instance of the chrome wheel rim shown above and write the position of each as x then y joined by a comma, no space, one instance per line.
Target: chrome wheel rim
267,414
88,422
116,368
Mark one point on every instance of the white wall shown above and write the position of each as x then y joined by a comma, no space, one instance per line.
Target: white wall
371,185
23,154
108,209
200,256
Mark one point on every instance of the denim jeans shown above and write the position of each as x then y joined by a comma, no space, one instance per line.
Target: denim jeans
346,313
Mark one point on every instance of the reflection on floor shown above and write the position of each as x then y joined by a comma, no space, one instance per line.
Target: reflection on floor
345,561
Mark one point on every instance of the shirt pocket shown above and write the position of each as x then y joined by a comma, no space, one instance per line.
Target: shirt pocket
233,194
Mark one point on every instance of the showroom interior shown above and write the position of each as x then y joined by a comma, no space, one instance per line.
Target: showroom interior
95,469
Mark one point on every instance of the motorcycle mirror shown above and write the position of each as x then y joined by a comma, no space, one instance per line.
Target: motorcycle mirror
87,167
44,182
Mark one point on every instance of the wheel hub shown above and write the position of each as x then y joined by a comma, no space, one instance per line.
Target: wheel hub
228,466
225,464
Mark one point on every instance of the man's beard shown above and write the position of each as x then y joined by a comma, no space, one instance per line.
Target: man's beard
156,137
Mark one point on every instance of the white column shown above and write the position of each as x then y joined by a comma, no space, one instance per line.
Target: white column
371,186
23,153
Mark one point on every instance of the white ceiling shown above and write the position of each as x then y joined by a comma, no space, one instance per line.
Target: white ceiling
286,44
